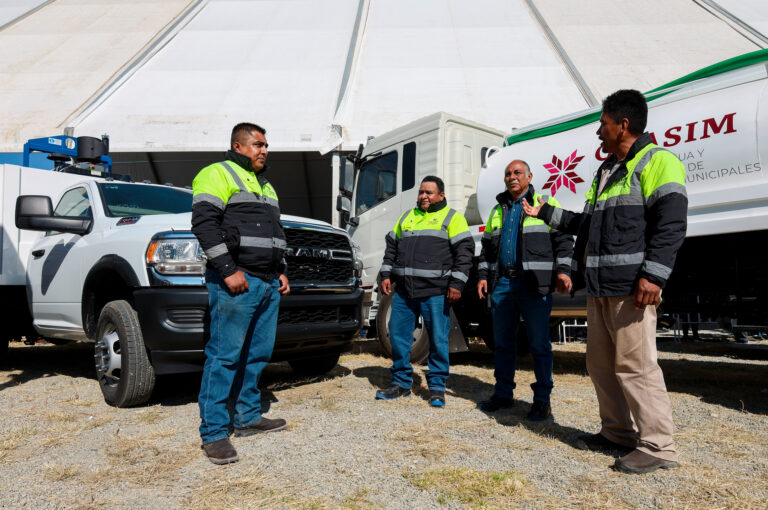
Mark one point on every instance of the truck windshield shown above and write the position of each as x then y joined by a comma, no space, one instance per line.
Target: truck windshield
376,182
140,200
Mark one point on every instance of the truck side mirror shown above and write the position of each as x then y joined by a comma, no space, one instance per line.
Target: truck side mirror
343,204
346,176
35,212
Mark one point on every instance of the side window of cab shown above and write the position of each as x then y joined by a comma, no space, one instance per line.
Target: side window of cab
73,203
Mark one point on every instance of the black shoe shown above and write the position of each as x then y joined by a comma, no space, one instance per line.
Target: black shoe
600,442
540,411
263,425
638,463
437,398
495,403
393,392
220,452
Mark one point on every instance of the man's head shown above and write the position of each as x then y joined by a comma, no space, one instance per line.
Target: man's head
250,140
625,114
517,176
431,191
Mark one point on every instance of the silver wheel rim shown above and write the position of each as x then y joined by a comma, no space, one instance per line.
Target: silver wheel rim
107,357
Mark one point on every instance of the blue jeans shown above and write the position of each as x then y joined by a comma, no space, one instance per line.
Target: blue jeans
512,298
240,346
436,313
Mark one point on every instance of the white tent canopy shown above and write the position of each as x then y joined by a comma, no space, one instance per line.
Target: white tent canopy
175,75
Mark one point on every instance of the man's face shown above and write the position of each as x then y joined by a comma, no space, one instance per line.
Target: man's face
516,178
428,194
253,146
610,133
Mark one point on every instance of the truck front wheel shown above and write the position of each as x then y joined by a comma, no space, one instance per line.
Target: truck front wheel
123,370
420,347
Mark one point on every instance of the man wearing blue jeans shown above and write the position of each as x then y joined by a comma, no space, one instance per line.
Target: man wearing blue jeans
428,255
527,260
236,219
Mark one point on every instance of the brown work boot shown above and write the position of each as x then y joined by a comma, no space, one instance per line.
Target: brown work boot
220,452
639,462
263,425
600,442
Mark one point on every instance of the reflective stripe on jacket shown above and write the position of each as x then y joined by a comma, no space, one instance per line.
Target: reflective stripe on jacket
236,219
634,228
427,252
545,252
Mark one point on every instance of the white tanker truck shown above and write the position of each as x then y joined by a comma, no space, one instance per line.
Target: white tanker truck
715,120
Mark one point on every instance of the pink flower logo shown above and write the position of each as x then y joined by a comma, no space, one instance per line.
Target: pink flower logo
562,173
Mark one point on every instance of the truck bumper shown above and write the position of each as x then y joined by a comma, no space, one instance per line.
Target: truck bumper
174,322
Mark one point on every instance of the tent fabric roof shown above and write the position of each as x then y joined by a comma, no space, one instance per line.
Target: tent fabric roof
62,54
300,66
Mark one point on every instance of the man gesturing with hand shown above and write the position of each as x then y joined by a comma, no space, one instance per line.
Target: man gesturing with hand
628,235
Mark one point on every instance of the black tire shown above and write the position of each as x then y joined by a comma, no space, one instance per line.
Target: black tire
316,365
123,370
4,350
420,347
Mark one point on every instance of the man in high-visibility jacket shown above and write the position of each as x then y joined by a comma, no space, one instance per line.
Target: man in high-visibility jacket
525,261
632,225
236,219
427,258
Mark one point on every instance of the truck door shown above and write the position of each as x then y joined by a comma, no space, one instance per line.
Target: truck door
54,272
377,207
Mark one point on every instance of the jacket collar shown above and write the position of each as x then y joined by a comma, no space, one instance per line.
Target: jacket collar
639,144
504,197
243,161
434,207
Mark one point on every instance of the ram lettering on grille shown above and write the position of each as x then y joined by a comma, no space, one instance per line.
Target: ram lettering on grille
318,257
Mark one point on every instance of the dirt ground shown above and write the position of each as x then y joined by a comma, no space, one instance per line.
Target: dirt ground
61,446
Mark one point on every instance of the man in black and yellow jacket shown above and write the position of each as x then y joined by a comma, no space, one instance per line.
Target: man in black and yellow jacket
428,258
633,223
525,260
236,219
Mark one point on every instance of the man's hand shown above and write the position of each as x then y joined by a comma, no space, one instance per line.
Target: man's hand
531,211
482,289
453,295
386,287
236,283
564,284
284,288
646,293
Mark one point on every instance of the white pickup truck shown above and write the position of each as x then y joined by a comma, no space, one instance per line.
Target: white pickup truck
116,263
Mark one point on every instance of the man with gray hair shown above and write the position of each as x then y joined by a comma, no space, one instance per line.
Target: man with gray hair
525,260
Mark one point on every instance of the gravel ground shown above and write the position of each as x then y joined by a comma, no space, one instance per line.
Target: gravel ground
62,447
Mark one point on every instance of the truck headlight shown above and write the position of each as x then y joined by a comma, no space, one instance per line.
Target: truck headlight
357,255
176,256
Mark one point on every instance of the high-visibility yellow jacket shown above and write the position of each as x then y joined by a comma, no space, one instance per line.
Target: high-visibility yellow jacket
634,227
545,252
428,251
236,219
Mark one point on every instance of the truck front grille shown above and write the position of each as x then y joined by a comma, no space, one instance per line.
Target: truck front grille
315,256
317,315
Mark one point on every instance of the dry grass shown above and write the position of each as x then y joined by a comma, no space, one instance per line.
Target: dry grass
474,488
13,439
58,473
151,416
427,443
146,461
246,490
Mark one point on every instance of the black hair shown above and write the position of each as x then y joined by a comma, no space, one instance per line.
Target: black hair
627,104
244,128
437,180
